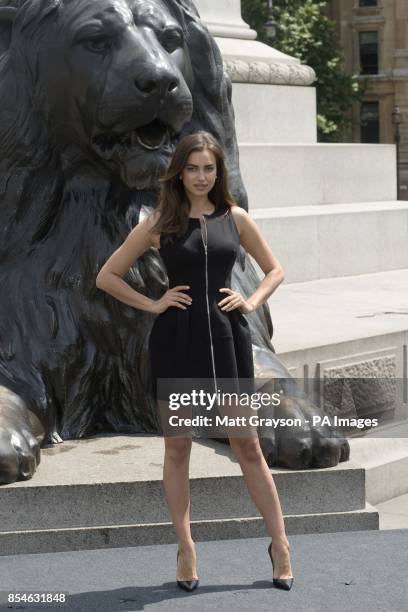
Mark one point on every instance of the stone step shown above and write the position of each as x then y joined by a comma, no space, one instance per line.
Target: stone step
107,490
322,315
311,174
385,462
145,534
278,113
318,242
393,513
84,501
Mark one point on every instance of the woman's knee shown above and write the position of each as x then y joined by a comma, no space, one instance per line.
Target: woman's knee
248,448
178,449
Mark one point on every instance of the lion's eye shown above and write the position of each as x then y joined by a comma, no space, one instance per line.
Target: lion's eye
98,43
171,40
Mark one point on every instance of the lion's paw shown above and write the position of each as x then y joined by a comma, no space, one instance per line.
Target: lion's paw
305,446
19,453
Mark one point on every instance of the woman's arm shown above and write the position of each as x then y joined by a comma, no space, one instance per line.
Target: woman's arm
255,244
110,279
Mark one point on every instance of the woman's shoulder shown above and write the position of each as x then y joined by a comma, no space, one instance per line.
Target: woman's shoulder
239,215
151,220
153,216
237,211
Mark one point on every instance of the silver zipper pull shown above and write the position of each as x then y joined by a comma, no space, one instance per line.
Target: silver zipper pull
203,223
205,244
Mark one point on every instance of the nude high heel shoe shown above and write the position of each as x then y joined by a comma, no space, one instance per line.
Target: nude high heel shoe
187,585
280,583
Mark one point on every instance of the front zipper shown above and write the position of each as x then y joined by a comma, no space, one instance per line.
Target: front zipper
205,244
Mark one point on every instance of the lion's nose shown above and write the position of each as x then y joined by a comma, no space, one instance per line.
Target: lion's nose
163,85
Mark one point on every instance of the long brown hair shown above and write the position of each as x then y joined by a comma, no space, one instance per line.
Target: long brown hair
174,205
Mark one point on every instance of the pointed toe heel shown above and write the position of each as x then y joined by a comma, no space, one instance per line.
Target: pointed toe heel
187,585
280,583
283,583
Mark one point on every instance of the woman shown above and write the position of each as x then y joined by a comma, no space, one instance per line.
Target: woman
201,330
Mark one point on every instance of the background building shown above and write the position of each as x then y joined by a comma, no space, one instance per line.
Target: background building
374,37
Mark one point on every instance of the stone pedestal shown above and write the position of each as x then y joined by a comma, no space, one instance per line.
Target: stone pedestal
247,60
263,80
224,19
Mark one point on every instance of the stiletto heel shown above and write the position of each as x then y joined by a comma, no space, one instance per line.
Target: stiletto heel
187,585
280,583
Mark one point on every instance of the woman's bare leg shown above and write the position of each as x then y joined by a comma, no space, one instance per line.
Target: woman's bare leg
177,489
262,489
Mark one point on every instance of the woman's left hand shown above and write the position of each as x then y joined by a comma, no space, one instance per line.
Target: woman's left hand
235,300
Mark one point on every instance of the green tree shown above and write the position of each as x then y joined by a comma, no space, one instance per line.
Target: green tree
305,32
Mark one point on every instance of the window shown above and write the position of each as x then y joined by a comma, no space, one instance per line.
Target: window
368,3
370,122
368,52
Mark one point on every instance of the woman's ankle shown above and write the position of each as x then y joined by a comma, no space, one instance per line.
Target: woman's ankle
280,543
186,544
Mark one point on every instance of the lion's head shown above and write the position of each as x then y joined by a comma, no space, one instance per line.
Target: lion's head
112,79
111,84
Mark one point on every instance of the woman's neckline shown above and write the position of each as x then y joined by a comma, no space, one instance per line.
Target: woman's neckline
205,214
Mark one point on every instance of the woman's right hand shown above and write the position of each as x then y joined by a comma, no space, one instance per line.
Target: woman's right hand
173,297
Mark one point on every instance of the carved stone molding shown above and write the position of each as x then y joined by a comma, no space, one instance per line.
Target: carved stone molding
272,73
246,59
364,384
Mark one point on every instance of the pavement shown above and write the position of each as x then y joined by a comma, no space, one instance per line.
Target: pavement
340,572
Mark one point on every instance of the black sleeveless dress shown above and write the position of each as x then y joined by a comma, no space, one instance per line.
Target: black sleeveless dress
203,341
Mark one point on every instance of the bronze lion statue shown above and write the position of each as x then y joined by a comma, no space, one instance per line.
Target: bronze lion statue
94,96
